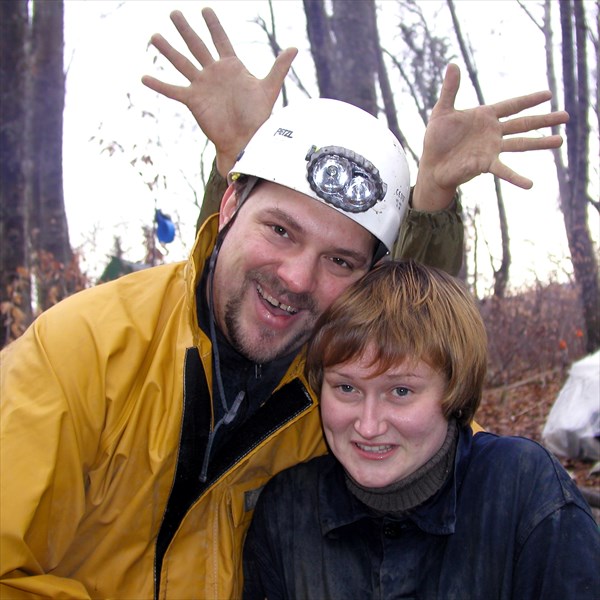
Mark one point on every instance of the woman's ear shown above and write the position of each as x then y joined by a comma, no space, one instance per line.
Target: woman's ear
228,206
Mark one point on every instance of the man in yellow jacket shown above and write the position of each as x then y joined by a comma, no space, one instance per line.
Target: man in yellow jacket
141,418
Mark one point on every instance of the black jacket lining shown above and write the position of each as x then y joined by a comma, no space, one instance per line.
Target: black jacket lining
282,406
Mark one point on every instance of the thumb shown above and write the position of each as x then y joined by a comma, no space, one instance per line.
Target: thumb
280,68
449,90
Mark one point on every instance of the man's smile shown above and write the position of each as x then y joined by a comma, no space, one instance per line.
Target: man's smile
274,302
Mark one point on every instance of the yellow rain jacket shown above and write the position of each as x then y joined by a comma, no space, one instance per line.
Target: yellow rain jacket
103,399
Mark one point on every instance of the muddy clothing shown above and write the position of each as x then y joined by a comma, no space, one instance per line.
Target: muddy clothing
509,523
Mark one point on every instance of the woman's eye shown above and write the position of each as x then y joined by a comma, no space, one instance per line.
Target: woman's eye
345,388
401,391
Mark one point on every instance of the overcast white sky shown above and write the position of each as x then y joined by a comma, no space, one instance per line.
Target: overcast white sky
106,54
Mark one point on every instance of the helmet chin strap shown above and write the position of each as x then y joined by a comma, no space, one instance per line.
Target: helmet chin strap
229,413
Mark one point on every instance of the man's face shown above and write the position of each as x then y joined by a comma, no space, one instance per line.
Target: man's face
282,263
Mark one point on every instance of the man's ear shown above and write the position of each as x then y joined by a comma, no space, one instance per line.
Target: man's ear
228,206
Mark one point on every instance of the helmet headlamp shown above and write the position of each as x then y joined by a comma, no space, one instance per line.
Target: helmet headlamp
344,179
330,173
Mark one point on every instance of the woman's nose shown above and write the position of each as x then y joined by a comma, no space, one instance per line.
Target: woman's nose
370,421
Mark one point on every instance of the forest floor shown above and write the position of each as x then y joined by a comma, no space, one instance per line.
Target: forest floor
522,408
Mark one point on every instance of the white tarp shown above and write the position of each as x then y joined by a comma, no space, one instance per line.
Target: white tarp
572,429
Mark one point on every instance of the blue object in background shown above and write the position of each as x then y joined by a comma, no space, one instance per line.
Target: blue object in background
165,230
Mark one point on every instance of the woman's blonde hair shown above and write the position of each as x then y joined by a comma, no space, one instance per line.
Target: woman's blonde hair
407,311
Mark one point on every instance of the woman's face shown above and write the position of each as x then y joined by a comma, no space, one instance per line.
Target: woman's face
383,428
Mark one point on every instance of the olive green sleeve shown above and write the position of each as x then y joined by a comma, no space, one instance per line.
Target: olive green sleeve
433,238
213,193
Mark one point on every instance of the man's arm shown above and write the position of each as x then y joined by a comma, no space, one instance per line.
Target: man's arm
435,239
42,496
459,145
227,101
230,104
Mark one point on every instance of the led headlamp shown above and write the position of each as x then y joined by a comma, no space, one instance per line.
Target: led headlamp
344,178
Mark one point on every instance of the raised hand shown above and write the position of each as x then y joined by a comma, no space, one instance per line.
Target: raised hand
227,101
461,144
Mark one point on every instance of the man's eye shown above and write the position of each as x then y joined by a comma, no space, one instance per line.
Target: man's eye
281,231
341,262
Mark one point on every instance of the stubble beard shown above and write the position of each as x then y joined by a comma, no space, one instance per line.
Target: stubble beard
265,347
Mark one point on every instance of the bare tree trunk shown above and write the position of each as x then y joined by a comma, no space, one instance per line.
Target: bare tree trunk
34,238
501,275
389,105
345,51
49,222
15,297
574,195
321,45
573,179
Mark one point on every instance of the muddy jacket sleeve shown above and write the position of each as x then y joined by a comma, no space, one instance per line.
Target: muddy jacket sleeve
569,543
435,239
213,192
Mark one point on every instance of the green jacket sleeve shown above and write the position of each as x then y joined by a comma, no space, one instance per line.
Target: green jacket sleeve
213,192
435,239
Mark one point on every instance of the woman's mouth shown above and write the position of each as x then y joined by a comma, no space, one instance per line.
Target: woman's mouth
372,449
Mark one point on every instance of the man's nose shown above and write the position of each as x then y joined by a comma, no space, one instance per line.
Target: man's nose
299,272
370,422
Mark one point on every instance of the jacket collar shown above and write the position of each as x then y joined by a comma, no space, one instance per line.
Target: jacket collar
203,245
339,508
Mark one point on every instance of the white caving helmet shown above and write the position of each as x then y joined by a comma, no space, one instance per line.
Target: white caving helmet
339,155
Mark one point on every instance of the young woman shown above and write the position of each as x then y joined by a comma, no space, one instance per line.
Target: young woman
410,503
